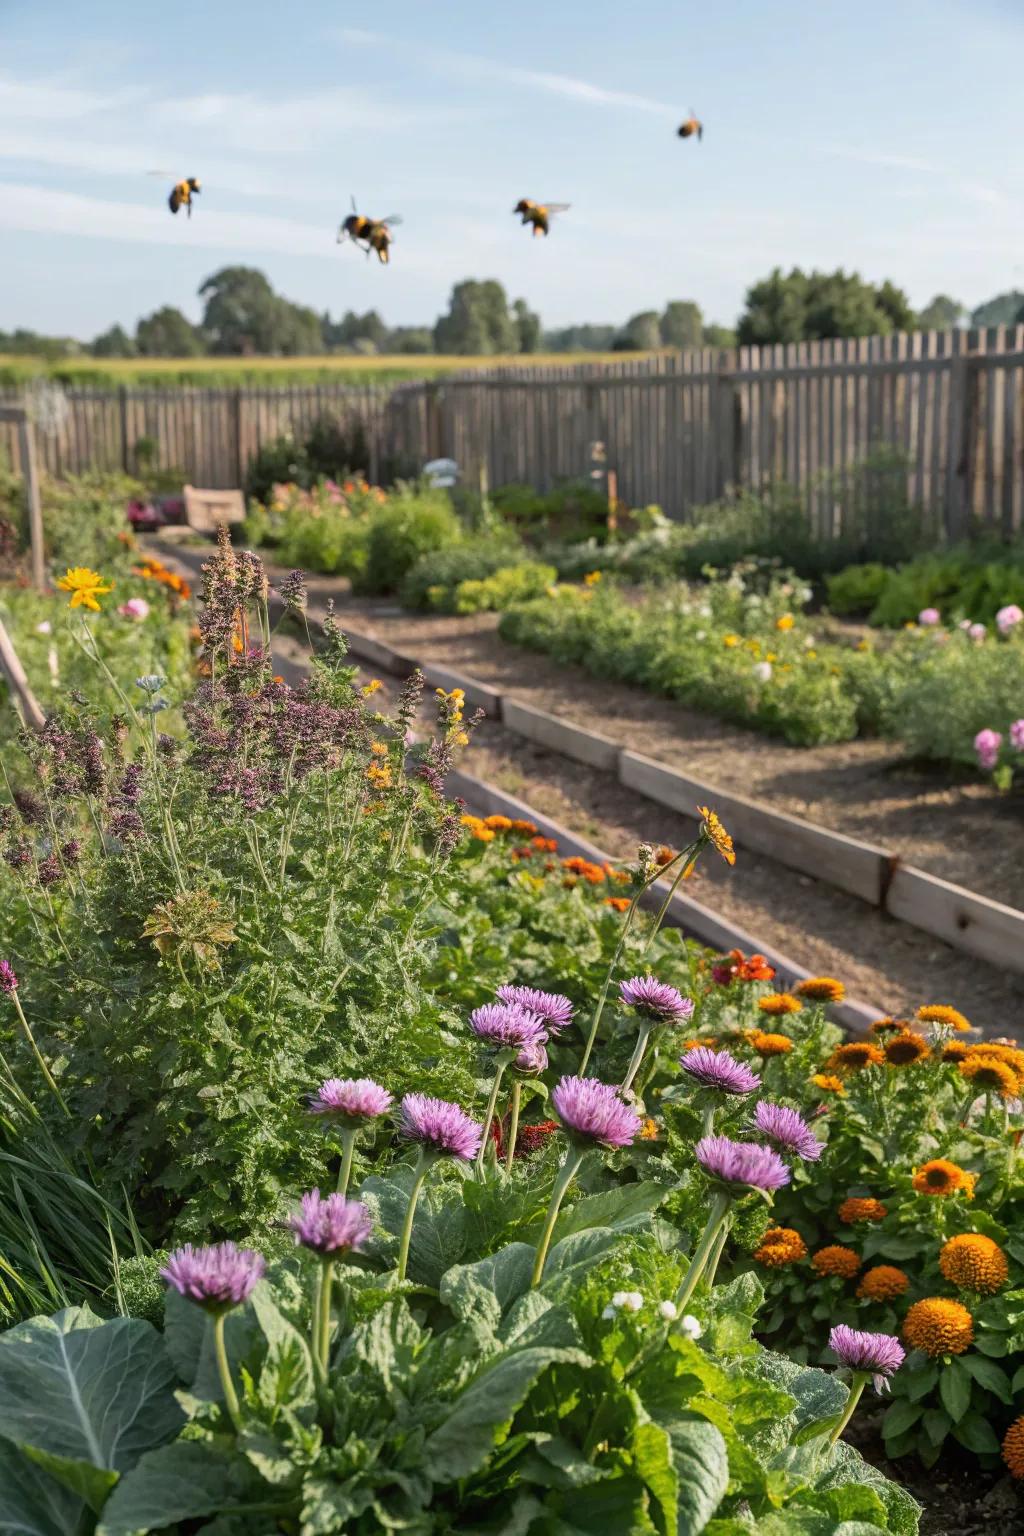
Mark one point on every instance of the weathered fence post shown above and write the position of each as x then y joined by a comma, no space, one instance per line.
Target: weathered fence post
122,404
10,663
18,415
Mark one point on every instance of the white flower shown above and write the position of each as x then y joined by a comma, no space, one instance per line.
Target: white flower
608,1312
629,1301
691,1327
45,628
809,642
668,1310
763,671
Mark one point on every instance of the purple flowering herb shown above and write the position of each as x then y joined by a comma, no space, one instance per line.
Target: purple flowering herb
786,1131
741,1163
532,1060
442,1129
8,980
555,1010
217,1278
719,1071
330,1225
879,1354
49,871
355,1100
505,1026
656,999
593,1115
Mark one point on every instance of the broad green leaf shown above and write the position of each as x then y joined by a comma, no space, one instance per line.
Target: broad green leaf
851,1501
387,1342
555,1462
533,1319
936,1423
977,1434
900,1416
88,1392
480,1415
614,1508
702,1468
955,1389
653,1461
491,1285
845,1465
626,1207
571,1259
1017,1384
93,1484
31,1503
921,1381
439,1230
180,1482
188,1335
990,1376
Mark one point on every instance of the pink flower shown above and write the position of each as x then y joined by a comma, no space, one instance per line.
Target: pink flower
929,616
352,1101
218,1277
977,632
1008,618
1017,735
986,748
592,1114
135,608
330,1225
441,1128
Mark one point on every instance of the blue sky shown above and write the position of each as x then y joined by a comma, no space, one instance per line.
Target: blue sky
884,137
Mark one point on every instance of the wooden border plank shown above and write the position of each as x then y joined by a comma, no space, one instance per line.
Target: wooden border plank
573,741
982,927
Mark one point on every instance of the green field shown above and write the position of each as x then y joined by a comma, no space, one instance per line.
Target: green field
221,372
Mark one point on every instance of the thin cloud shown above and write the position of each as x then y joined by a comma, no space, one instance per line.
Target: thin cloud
978,191
51,101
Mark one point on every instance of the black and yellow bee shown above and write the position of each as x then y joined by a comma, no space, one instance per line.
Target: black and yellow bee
693,125
369,234
182,193
538,214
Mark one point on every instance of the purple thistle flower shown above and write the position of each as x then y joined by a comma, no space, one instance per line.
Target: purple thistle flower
352,1101
656,999
719,1070
592,1113
8,980
330,1225
217,1278
507,1027
532,1059
555,1010
787,1131
880,1353
49,871
741,1163
441,1128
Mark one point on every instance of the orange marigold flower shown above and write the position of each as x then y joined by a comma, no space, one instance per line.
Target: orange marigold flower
974,1263
498,823
836,1260
756,968
888,1026
883,1283
828,1084
989,1075
861,1208
785,621
906,1049
620,903
941,1177
769,1045
527,828
714,833
955,1050
649,1130
1013,1447
379,775
778,1003
823,989
937,1326
856,1055
545,844
941,1013
780,1246
663,855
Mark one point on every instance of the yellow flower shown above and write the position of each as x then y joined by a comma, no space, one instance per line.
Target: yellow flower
769,1045
823,989
941,1177
85,587
461,739
836,1260
905,1049
780,1246
714,833
785,621
989,1075
730,641
861,1208
371,687
855,1056
811,655
883,1283
592,578
778,1003
974,1263
938,1327
498,823
379,775
941,1013
829,1084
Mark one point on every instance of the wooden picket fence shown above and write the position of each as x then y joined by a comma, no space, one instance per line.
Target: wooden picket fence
680,429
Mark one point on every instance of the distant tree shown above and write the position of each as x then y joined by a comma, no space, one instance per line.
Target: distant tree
114,342
167,333
682,324
244,316
527,326
641,333
719,336
24,343
478,322
1004,309
580,338
941,314
410,339
812,306
352,328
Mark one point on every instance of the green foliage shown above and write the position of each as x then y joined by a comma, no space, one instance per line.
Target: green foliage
244,315
411,523
512,584
478,322
432,580
329,451
941,314
167,333
970,582
811,306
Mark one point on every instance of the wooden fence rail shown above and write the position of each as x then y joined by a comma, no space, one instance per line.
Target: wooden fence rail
680,430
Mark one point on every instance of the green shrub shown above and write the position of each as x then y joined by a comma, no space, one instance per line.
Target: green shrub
431,580
857,588
413,522
512,584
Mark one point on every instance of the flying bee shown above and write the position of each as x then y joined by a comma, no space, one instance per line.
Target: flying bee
693,125
369,234
538,214
182,193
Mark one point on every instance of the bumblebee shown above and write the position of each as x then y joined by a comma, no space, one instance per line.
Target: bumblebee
182,193
693,125
538,214
369,234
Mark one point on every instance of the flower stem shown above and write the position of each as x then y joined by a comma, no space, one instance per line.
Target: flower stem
860,1380
499,1073
716,1253
687,859
348,1147
326,1285
513,1123
702,1253
563,1179
414,1194
30,1037
599,1010
708,1122
224,1371
638,1054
